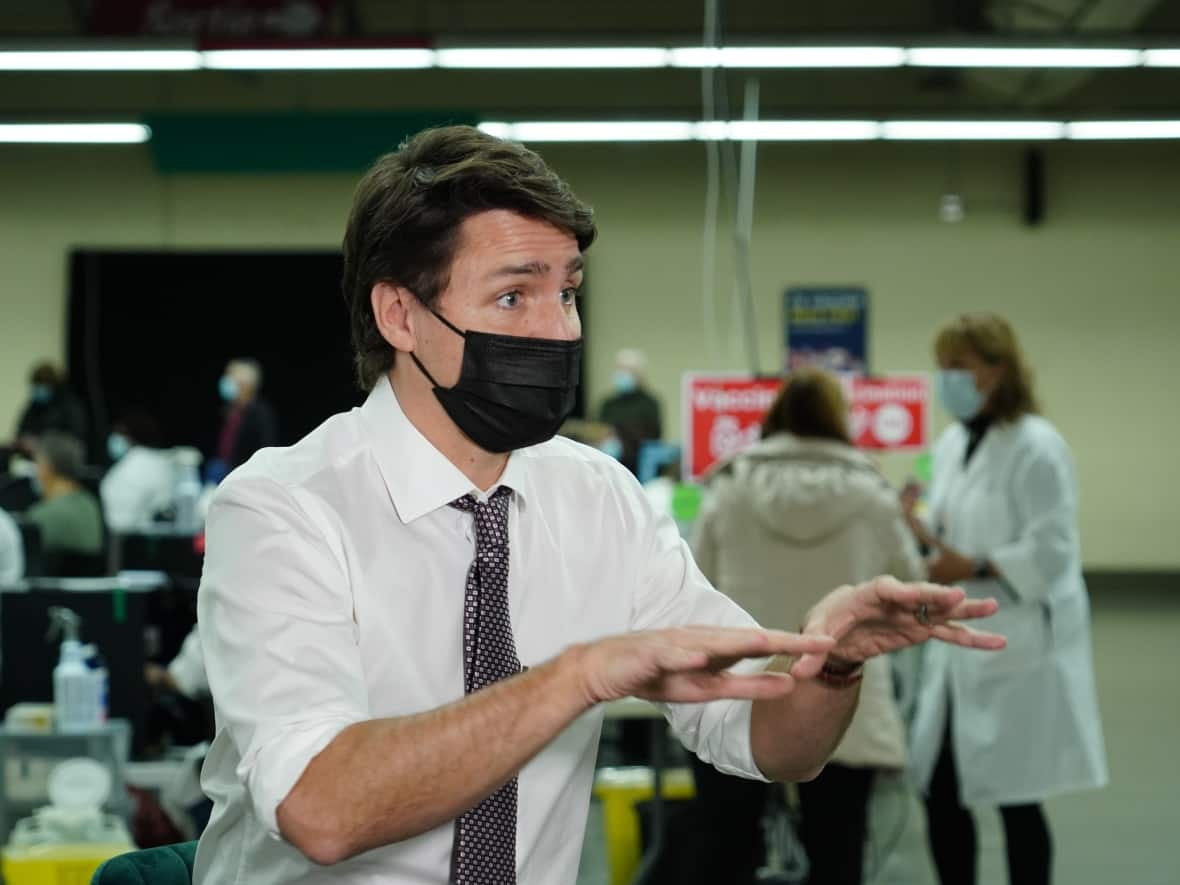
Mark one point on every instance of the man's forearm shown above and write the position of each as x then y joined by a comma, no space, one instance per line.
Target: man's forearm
386,780
793,736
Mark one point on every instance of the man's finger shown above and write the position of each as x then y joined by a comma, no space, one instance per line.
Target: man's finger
957,634
936,598
674,658
808,666
970,609
701,688
738,644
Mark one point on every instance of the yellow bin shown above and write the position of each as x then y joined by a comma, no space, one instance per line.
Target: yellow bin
65,864
619,789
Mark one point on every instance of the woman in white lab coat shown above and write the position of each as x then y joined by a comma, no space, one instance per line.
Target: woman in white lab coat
1014,728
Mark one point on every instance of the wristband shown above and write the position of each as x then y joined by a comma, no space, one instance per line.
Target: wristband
841,676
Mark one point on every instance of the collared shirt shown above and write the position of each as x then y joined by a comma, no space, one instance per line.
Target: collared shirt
977,429
12,550
333,593
137,487
187,669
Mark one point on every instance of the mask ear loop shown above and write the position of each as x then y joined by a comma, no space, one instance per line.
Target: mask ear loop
449,325
422,369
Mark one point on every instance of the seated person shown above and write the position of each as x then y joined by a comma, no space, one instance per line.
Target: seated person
68,515
186,673
52,406
180,712
12,553
141,481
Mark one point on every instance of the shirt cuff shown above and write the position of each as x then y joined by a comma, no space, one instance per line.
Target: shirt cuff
279,764
737,756
724,739
189,677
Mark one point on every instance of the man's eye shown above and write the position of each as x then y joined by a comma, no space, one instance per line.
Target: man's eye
569,295
509,299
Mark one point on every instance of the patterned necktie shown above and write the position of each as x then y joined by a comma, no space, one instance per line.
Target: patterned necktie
484,850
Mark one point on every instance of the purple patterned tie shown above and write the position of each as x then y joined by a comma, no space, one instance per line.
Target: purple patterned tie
484,850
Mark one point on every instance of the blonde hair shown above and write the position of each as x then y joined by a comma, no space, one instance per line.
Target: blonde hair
991,337
811,404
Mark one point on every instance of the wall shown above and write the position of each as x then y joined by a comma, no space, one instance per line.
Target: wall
1092,292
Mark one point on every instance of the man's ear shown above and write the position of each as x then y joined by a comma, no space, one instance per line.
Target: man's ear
392,311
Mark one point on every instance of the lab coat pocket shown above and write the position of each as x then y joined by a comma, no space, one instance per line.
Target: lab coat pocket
986,521
1069,619
1027,627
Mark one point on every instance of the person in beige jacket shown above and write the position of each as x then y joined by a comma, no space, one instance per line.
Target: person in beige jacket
796,513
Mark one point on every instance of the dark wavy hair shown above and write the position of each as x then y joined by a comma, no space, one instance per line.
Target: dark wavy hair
407,211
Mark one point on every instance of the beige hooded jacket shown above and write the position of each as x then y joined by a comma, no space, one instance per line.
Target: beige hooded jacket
788,520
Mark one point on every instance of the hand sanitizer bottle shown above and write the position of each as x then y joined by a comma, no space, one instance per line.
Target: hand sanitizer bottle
75,689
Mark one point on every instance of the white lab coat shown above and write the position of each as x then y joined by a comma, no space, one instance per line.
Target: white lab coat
139,485
1025,720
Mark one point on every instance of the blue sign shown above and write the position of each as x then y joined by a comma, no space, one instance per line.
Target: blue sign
827,327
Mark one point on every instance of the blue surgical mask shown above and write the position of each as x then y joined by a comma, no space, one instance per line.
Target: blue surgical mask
624,381
42,393
958,394
117,446
228,388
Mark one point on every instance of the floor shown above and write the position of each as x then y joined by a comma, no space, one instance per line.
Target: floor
1125,833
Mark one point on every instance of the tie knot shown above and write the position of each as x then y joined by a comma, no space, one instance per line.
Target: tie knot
497,500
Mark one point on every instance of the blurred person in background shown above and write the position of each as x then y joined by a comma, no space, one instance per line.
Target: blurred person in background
1021,726
180,712
12,551
632,410
185,673
68,514
250,423
796,513
142,479
52,406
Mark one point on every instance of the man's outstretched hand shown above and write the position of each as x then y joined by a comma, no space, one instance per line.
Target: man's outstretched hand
690,664
885,615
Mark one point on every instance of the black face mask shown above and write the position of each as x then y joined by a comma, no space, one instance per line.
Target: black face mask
512,391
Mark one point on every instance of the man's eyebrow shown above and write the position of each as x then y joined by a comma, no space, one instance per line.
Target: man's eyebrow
536,268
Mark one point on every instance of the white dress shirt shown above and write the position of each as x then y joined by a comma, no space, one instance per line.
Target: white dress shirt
333,593
12,550
137,486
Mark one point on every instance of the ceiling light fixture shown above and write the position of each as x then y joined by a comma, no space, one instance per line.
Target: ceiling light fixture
1118,130
972,130
74,133
1023,57
787,57
553,58
317,59
100,60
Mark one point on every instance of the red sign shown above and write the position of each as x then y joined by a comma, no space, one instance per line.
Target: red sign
890,413
722,415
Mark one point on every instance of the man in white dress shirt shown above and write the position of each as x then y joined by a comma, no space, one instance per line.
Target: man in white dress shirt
412,617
